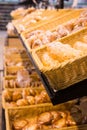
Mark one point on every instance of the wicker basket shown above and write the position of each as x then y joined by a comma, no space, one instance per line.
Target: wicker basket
7,78
52,24
16,60
47,15
60,20
11,63
14,46
14,55
72,38
35,79
38,90
16,52
29,112
65,73
28,18
12,71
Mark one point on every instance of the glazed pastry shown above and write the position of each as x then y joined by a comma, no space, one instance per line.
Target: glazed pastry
7,95
55,119
45,118
19,124
16,96
38,99
10,83
25,97
31,127
25,93
56,116
31,100
22,102
59,123
32,92
11,104
44,96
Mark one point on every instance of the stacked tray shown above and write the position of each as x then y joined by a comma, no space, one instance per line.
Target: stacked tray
14,81
27,104
30,93
54,30
69,71
22,97
17,68
51,24
62,117
40,37
20,77
39,18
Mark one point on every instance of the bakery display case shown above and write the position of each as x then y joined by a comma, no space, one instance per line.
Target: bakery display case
35,39
53,62
44,82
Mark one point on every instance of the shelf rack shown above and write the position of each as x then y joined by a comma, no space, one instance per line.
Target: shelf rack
72,92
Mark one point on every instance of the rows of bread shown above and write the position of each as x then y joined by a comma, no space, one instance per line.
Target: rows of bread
38,37
17,14
64,60
49,25
24,17
53,118
22,86
36,18
27,96
24,108
24,95
61,51
50,61
44,26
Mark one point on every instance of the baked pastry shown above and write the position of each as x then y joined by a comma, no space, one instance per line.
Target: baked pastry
52,119
47,60
62,52
25,97
23,78
81,46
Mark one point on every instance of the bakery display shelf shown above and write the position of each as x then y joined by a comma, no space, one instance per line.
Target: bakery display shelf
74,91
6,114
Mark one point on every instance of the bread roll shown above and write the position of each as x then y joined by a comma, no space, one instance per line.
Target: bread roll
47,60
62,52
81,46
